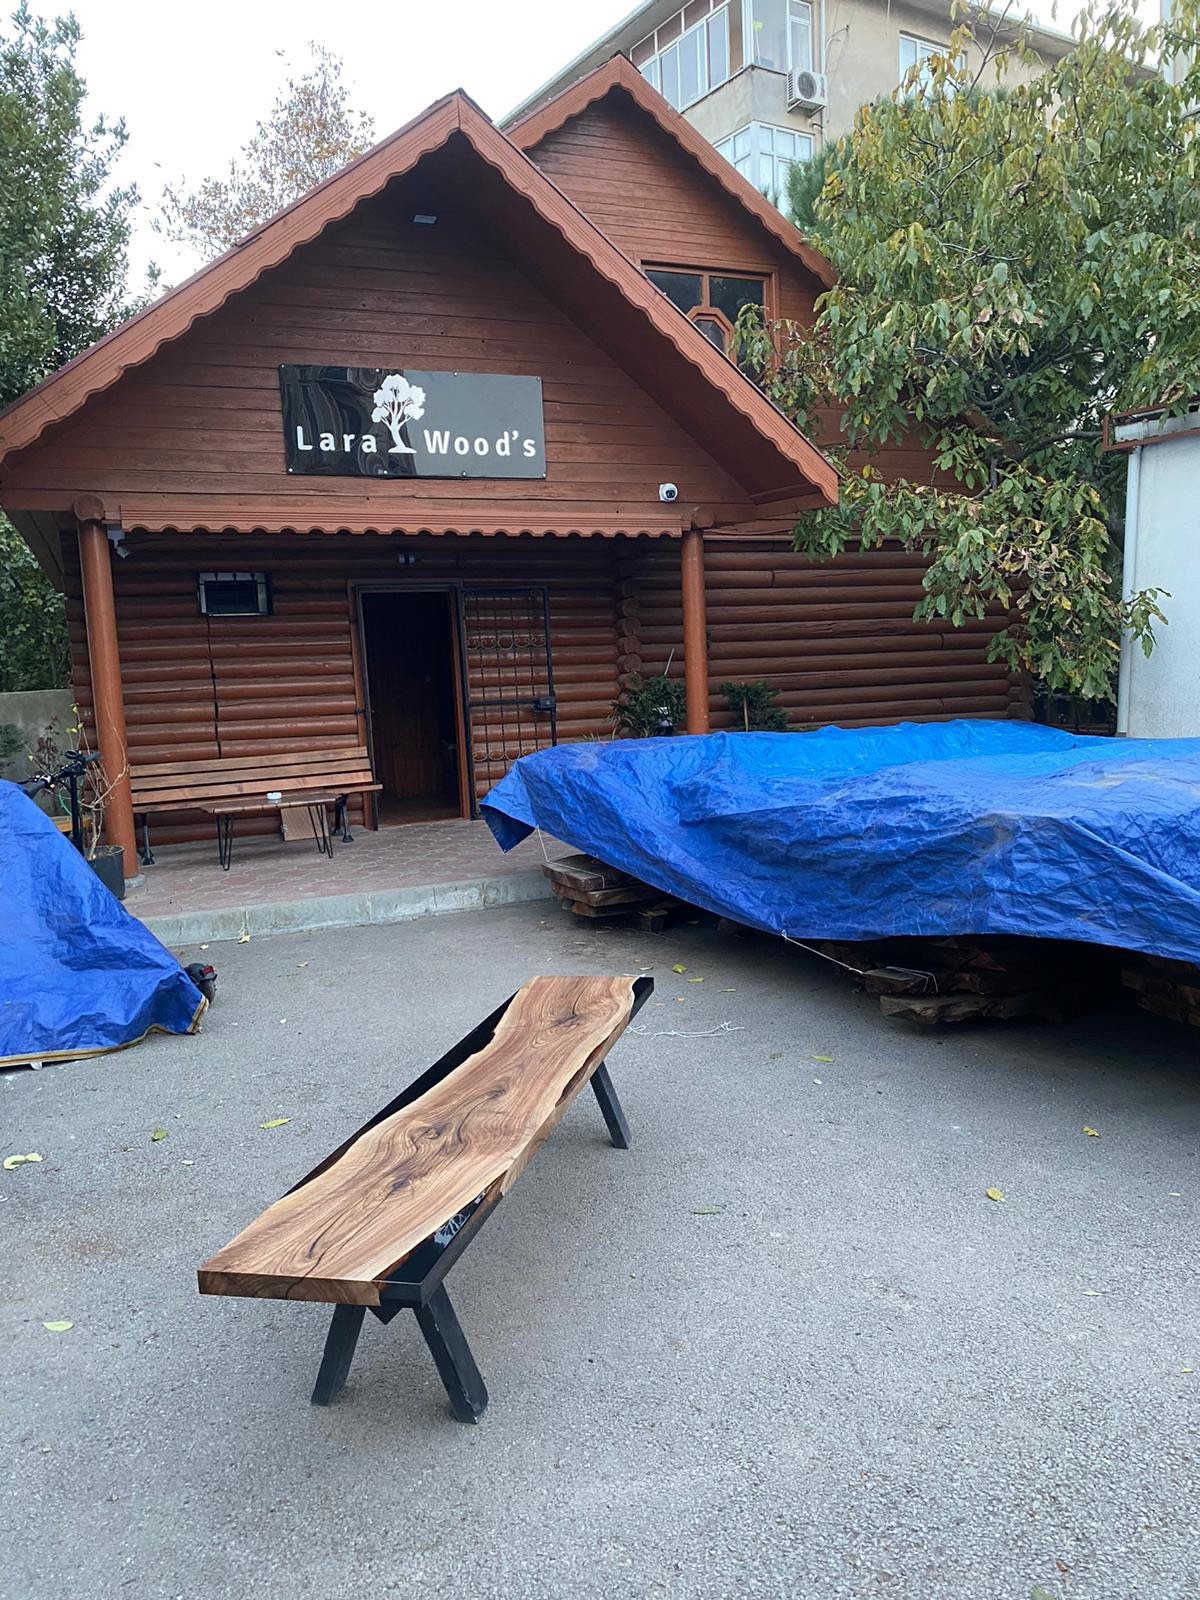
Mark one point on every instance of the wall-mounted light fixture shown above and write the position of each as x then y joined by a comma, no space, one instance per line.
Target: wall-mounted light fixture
116,538
407,558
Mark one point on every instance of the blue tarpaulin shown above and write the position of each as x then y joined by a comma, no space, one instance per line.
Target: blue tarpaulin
78,974
922,829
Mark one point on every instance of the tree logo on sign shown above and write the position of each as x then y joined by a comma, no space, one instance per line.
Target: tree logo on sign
396,402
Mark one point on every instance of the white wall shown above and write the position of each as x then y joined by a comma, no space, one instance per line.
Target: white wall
1162,692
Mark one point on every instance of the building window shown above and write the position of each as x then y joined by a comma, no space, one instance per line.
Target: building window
234,594
711,299
782,34
765,155
916,53
688,55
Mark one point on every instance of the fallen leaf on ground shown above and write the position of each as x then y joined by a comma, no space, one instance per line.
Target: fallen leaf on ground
1185,1372
728,990
302,963
283,1019
187,1163
159,1134
818,1080
243,938
708,1211
1092,1294
275,1122
1091,1132
776,1056
12,1162
822,1058
57,1327
1038,1593
678,968
695,980
995,1194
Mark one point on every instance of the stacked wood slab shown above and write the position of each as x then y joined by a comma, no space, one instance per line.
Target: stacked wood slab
589,888
1168,988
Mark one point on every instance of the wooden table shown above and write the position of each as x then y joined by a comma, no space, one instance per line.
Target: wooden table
315,804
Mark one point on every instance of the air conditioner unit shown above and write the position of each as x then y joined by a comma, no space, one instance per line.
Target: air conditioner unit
807,91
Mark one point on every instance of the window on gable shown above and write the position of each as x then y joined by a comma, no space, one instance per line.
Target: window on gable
711,299
688,54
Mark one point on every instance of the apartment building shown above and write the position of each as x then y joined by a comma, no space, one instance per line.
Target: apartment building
768,81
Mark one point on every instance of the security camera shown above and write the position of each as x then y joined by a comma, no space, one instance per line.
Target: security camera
668,492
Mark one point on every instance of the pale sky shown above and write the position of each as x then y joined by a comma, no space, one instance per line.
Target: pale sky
191,79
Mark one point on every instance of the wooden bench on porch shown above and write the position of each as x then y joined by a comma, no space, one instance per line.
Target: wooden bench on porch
378,1224
239,786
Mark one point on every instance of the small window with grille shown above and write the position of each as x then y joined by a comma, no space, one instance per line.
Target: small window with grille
235,594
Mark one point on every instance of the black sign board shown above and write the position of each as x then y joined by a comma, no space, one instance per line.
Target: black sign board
369,422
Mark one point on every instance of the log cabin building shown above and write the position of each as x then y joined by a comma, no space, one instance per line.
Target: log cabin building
396,471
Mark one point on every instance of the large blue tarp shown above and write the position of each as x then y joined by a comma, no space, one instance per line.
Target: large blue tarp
923,829
78,974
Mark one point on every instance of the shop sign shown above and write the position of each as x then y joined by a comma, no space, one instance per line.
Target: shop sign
369,422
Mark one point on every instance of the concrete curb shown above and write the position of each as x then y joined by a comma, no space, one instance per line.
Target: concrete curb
347,910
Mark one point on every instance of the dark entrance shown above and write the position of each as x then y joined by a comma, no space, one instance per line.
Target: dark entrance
412,686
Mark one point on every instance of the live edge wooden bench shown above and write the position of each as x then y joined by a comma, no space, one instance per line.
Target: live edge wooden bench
228,788
378,1224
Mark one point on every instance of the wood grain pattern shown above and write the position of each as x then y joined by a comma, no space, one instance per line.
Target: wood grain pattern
339,1235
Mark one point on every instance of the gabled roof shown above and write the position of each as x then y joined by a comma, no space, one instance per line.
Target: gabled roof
692,380
621,76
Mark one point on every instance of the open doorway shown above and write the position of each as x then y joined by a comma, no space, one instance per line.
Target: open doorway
412,686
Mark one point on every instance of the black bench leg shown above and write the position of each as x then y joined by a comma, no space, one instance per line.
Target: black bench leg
341,819
610,1108
339,1353
147,856
225,840
450,1350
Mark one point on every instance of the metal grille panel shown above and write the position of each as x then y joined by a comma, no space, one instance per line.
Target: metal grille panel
508,678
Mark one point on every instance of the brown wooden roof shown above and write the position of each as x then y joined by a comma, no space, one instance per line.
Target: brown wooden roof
594,281
620,76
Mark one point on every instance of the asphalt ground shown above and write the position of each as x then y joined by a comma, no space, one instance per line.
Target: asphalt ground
785,1346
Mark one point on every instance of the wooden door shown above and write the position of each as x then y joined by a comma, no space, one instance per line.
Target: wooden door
410,678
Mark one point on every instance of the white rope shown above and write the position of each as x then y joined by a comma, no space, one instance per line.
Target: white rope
679,1033
911,972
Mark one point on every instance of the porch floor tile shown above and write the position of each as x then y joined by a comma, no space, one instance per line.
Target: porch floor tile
275,885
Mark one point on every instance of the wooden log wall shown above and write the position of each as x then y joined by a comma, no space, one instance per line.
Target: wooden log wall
197,686
836,639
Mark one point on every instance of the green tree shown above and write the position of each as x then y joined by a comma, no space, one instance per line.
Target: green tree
64,229
64,234
1013,268
33,632
309,133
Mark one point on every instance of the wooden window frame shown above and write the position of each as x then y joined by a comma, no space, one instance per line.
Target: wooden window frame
768,279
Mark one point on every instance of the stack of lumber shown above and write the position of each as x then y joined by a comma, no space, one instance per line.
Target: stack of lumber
1168,988
977,978
590,889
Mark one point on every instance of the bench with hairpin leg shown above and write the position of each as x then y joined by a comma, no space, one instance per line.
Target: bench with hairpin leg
378,1224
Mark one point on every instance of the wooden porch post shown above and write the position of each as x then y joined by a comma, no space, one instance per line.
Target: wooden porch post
695,639
108,701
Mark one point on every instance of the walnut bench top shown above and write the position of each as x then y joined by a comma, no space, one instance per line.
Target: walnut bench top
340,1234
